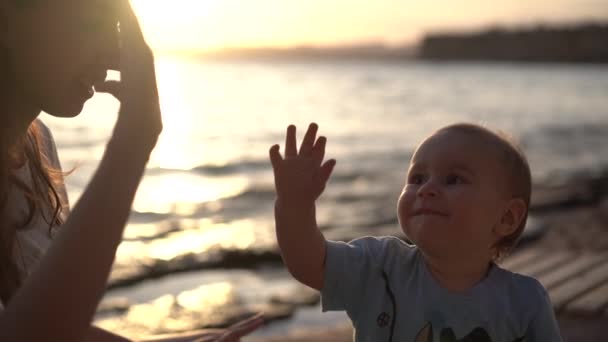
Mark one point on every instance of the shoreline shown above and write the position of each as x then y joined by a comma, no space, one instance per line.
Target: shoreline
576,191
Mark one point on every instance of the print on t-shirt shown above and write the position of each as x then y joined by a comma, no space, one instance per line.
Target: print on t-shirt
447,335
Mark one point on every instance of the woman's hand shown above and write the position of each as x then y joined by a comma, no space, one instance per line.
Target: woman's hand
300,177
230,334
234,332
139,119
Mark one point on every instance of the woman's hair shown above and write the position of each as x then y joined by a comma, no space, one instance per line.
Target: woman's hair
41,194
42,197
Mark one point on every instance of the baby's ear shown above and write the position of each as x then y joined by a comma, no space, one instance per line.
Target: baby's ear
512,217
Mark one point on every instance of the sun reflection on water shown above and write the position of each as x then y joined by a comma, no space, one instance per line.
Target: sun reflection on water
181,193
151,314
174,149
207,297
207,304
197,236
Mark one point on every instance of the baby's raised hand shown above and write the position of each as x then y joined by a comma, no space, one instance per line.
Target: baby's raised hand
300,176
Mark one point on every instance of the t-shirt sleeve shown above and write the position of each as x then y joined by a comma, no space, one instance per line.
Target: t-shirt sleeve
543,326
348,267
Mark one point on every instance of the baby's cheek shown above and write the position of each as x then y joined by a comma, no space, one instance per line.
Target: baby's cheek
404,206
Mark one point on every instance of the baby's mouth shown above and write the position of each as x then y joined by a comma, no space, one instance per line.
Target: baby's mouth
428,212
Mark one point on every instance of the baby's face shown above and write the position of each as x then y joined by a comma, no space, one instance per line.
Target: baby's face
454,195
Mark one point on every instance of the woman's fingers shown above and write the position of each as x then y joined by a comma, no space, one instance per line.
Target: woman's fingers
135,56
252,321
243,328
130,31
111,87
290,142
113,53
309,140
137,90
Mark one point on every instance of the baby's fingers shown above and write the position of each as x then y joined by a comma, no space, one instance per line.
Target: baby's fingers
275,157
290,142
326,169
318,151
309,139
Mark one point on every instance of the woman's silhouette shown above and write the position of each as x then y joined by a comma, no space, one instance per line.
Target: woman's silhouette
54,53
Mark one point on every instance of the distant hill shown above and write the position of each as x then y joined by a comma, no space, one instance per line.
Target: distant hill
586,43
582,43
369,51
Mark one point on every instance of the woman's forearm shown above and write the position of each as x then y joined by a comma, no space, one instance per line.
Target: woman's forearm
59,299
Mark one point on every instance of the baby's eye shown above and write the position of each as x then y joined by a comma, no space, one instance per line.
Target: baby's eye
454,179
415,179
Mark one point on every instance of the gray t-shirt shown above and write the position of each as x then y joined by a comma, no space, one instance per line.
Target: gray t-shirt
388,293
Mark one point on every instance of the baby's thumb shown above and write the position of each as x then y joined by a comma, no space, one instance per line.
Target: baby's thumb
326,169
111,87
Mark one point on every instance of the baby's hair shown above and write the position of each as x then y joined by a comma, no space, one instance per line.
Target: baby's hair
517,172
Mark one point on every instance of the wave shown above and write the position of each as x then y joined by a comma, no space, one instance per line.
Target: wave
248,165
125,275
217,170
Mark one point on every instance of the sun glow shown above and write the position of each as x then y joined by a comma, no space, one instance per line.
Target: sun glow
178,24
198,25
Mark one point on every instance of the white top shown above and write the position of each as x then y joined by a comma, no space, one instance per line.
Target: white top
33,240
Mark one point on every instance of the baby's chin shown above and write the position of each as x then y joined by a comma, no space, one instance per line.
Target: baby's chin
419,231
429,242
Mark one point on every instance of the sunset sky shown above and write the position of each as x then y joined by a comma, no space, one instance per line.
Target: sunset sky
199,25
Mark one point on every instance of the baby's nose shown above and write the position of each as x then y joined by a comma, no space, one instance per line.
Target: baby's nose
428,189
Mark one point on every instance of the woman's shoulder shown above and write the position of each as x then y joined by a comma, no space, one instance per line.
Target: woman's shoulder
45,133
48,143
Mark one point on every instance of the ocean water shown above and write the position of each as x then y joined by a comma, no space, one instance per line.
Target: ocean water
202,221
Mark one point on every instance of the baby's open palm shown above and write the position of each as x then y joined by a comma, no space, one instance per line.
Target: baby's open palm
300,176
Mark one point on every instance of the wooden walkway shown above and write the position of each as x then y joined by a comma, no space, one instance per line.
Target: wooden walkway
577,282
